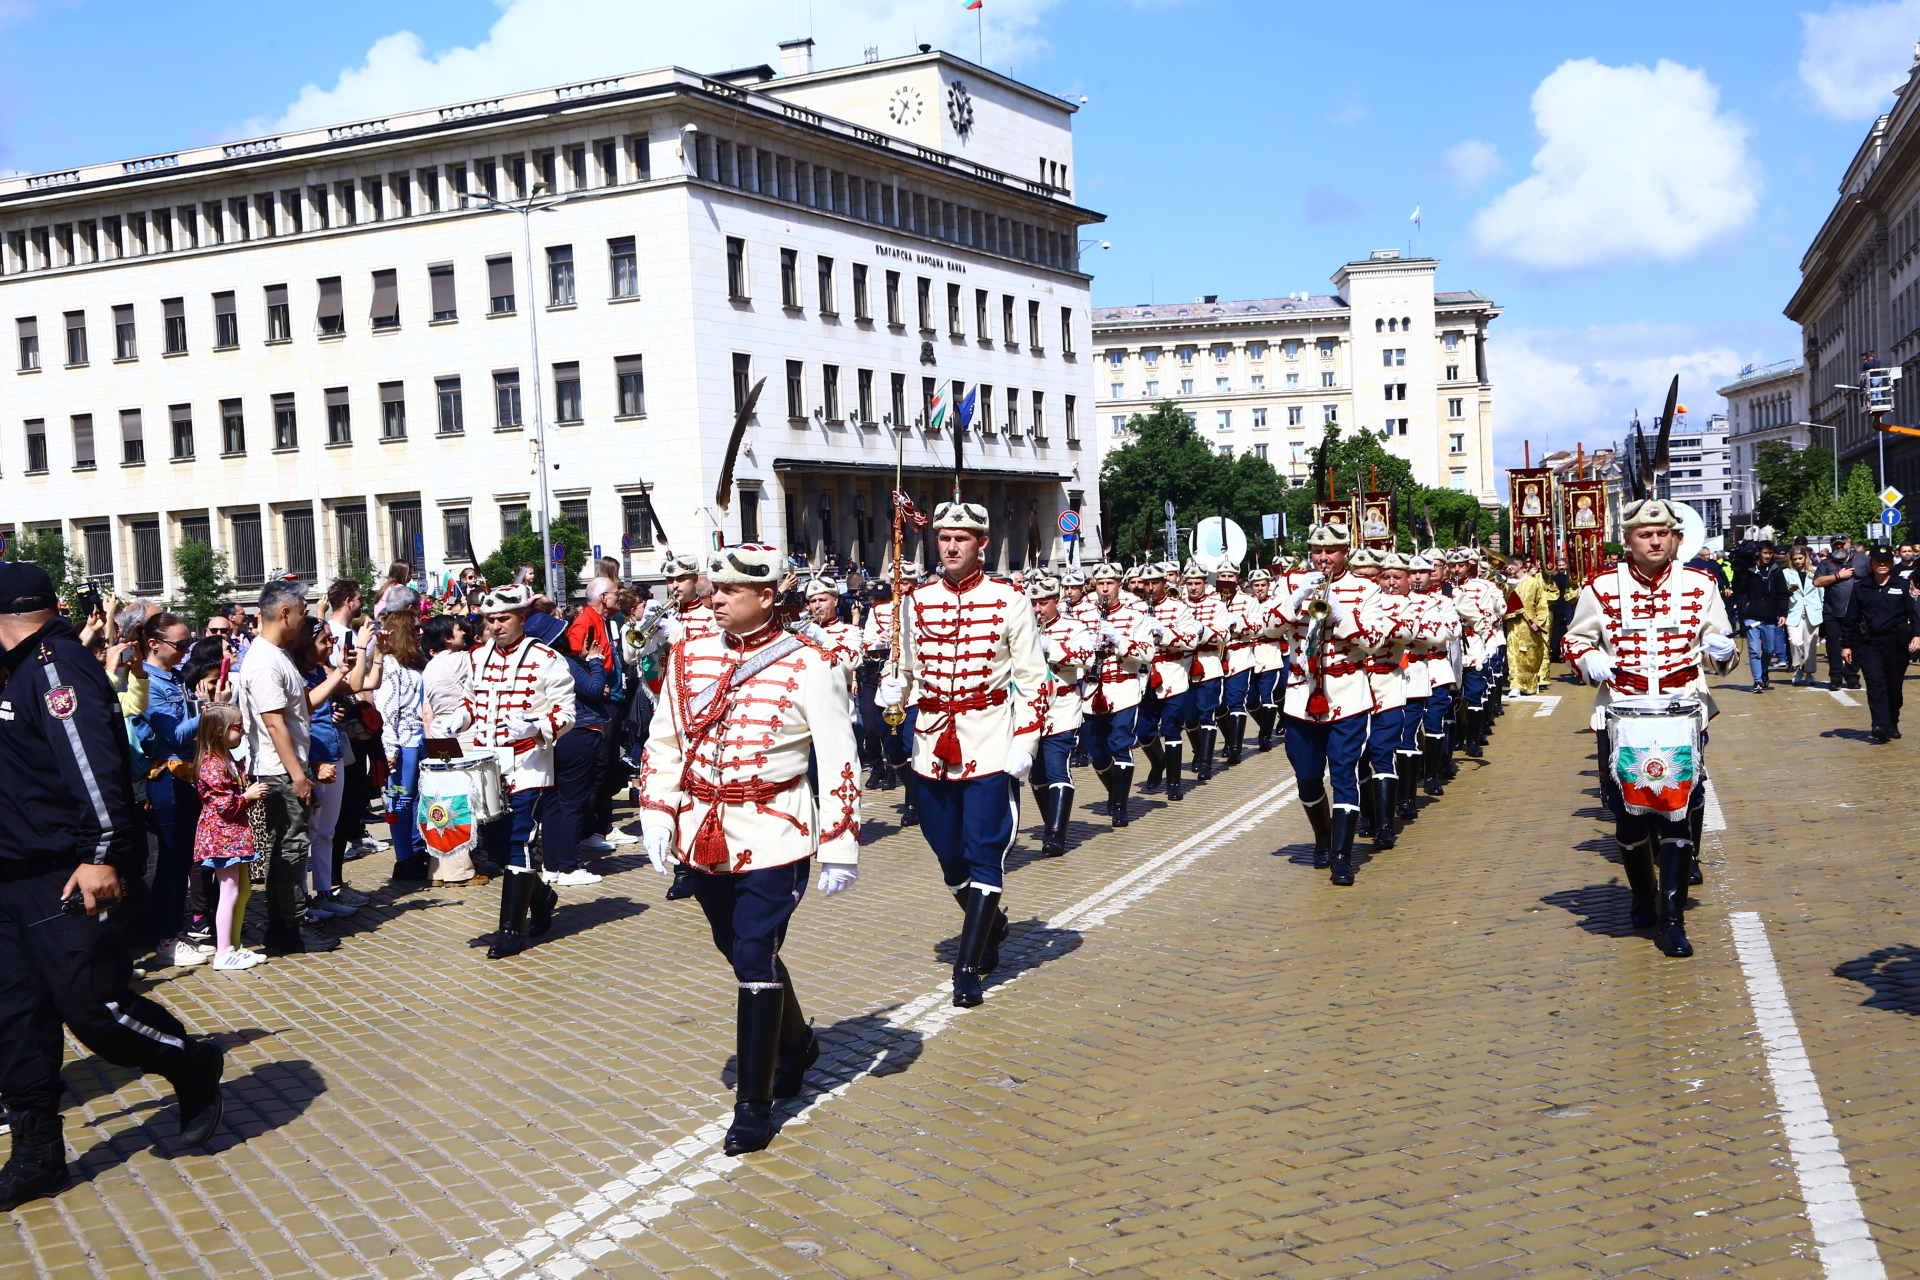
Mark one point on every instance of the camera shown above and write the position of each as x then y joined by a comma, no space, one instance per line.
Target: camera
86,601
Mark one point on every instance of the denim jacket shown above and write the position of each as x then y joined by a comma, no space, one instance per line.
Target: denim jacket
167,729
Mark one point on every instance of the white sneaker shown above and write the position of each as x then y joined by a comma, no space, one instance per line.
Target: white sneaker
238,958
619,837
570,878
595,844
183,954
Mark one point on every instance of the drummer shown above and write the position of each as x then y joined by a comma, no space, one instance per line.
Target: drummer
1653,627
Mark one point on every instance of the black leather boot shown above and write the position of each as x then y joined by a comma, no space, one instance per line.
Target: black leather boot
1236,731
757,1046
1409,764
1342,829
1043,797
540,905
910,810
1435,781
1449,767
984,919
196,1090
1670,935
1366,825
1318,818
1203,739
1156,757
1637,860
1471,733
1119,785
1053,841
682,886
1172,751
1263,716
1696,828
516,892
1384,788
37,1166
799,1046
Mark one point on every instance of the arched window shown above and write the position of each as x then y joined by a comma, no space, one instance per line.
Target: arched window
1379,326
1393,326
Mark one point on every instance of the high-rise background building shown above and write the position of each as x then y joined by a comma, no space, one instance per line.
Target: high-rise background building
1764,403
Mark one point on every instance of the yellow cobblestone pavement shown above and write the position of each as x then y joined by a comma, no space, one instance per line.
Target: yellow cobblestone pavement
1199,1058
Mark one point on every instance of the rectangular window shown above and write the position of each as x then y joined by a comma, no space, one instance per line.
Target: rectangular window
749,513
1453,373
823,279
742,380
790,278
500,297
29,332
1150,356
97,539
1258,350
1073,426
1153,388
76,337
1260,452
636,520
1033,325
1451,341
1456,407
453,415
296,532
893,300
623,268
181,419
1329,413
1326,377
863,381
1039,403
1326,348
796,390
1185,354
233,428
1116,390
506,400
1393,357
980,297
512,516
1456,442
36,445
404,528
898,398
339,417
632,386
148,574
953,312
133,438
1119,424
1066,331
1186,386
923,297
1013,413
560,276
737,268
332,315
124,347
1458,481
279,321
830,391
862,308
928,387
459,531
574,512
1223,420
1259,418
226,322
286,427
1295,414
350,535
440,286
393,411
1258,382
566,392
1221,352
1221,386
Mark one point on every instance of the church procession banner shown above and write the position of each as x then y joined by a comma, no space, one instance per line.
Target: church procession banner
1530,500
1584,513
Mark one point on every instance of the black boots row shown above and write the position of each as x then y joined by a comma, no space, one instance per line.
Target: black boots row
526,911
1056,805
1658,882
774,1047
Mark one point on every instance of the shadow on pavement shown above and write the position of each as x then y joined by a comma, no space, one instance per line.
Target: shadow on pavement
570,918
266,1098
1605,909
1892,974
1853,735
866,1044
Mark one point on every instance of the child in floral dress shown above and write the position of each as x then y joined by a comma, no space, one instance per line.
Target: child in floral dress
223,842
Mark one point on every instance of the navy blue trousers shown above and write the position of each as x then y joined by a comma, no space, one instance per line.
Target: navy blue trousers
1473,686
748,912
1164,718
504,840
897,740
1109,738
1267,687
1205,695
1233,691
969,822
1383,739
1051,768
1410,724
1327,749
1439,702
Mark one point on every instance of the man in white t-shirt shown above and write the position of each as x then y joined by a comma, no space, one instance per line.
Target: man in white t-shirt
272,697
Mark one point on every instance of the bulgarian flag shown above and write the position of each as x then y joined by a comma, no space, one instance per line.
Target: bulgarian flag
942,405
973,4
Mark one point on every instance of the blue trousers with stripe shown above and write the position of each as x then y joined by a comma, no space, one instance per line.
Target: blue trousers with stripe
969,822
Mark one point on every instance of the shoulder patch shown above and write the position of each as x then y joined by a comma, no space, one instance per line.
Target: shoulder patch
62,701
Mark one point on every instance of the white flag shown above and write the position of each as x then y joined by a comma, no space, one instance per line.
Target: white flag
1416,214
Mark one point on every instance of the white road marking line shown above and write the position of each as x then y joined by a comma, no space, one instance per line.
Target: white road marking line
1548,702
694,1161
1844,698
1713,820
1840,1231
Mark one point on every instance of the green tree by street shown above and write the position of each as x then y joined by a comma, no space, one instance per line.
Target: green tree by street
1790,479
204,584
48,549
523,548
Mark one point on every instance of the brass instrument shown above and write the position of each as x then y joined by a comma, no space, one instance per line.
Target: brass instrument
1319,608
1497,561
636,634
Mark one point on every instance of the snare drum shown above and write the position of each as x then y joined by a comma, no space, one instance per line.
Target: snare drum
457,797
1654,752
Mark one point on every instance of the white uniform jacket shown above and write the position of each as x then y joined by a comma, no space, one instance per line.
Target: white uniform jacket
972,659
1246,618
1170,670
1268,653
1334,685
1067,646
529,681
1115,676
1218,625
1385,671
1652,630
1486,633
725,767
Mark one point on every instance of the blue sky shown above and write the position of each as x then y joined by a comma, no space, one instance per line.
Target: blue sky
1635,185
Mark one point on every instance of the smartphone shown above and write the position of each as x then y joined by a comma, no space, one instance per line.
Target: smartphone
226,665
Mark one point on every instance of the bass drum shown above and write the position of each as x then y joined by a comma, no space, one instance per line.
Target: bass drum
1693,532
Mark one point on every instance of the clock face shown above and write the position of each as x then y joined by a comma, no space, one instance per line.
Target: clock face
906,105
960,108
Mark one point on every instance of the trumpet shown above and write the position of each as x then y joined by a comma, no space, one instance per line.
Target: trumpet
1319,607
636,634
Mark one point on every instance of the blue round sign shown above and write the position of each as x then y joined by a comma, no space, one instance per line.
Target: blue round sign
1890,517
1069,522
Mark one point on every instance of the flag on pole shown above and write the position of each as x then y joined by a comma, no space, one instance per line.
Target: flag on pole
973,4
966,408
942,405
1415,218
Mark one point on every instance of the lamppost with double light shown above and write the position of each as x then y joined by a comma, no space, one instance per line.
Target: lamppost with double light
539,200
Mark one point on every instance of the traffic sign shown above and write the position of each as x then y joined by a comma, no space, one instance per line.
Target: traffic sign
626,544
559,552
1890,517
1069,523
1270,525
1890,496
1875,531
596,551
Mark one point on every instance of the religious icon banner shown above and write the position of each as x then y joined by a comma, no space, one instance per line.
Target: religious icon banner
1530,495
1376,521
1584,510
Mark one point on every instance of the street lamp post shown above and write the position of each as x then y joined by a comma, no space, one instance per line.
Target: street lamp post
540,200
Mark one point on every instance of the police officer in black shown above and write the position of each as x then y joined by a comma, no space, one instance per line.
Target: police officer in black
66,824
1880,631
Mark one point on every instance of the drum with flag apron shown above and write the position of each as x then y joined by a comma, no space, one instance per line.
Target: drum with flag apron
1654,753
456,798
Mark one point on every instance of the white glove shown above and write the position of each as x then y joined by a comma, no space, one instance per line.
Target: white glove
658,842
669,630
1046,648
892,689
816,633
1108,635
837,877
1019,763
1300,597
1719,648
1598,666
519,729
1158,632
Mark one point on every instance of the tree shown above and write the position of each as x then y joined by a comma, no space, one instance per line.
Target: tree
523,548
48,549
1788,478
1164,460
204,585
1859,503
358,567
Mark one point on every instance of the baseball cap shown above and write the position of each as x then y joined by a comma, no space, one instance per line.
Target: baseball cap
25,588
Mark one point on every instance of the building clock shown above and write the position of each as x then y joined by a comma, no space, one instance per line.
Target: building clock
906,105
960,108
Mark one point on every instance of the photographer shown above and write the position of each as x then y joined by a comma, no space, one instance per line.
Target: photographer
66,825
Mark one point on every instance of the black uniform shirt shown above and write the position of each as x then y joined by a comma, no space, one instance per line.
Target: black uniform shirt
66,770
1880,612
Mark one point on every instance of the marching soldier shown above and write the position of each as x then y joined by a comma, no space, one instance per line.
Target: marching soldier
692,617
1433,653
896,741
1650,626
1111,712
1217,626
1068,648
1379,799
1332,618
724,792
1165,708
1245,620
1269,663
840,640
972,664
1481,638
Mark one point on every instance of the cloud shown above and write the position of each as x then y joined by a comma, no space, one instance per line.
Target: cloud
1634,165
1472,162
1558,387
1353,113
541,42
1853,56
1325,203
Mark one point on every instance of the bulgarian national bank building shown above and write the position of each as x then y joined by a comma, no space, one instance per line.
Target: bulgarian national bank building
309,347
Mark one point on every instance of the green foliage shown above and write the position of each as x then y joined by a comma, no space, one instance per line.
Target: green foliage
523,548
357,566
204,584
1859,503
48,549
1790,478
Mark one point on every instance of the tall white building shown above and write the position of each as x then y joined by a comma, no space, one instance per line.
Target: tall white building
1763,404
308,346
1384,353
